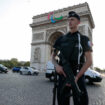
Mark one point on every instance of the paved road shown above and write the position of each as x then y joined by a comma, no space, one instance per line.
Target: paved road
16,89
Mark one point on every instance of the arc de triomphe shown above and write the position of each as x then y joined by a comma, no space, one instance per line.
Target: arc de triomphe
45,32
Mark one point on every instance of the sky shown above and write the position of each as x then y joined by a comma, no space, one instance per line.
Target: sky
16,34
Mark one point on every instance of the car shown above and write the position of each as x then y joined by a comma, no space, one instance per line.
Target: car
16,69
90,75
3,69
50,71
28,71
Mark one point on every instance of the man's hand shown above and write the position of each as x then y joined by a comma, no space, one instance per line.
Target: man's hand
59,70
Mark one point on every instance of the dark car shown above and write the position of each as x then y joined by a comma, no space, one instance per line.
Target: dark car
3,68
16,69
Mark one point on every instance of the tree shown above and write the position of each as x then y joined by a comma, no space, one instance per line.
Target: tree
14,61
27,63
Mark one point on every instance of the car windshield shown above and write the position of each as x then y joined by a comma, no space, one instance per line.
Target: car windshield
1,65
26,68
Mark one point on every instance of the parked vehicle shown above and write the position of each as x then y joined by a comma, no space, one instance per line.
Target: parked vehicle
16,69
90,75
28,71
50,70
3,68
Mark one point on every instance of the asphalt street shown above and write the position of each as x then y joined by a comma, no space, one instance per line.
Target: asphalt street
16,89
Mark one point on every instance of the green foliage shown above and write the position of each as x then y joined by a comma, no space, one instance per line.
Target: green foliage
14,63
99,70
27,63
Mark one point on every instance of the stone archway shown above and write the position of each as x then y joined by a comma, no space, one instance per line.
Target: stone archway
44,32
53,38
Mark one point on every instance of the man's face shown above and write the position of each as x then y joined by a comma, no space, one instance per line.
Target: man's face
73,22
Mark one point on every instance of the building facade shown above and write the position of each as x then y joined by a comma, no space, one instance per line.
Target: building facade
47,27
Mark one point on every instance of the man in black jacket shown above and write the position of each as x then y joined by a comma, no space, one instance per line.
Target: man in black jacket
79,61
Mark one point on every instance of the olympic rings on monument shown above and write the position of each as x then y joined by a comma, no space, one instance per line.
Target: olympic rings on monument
54,19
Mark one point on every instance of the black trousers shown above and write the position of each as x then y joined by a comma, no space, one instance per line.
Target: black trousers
65,99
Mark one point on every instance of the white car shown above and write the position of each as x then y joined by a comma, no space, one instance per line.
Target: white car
50,70
90,75
28,71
